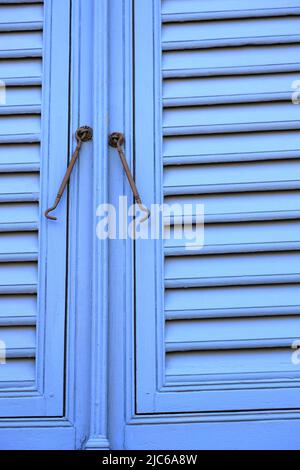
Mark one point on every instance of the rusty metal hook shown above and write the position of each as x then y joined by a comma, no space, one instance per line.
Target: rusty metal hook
83,134
117,140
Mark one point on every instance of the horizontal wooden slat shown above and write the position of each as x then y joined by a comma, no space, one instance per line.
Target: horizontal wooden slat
21,53
18,370
227,301
229,14
245,32
242,147
22,17
20,168
232,177
29,12
277,205
230,362
245,280
235,269
19,197
19,187
25,353
229,99
28,109
230,42
14,71
234,238
232,188
232,61
197,249
231,115
193,10
18,247
21,100
18,157
23,96
233,329
22,337
229,345
21,26
15,125
235,217
17,306
232,381
18,274
241,233
23,81
18,289
189,245
18,257
273,126
19,214
19,227
17,321
197,72
21,44
230,157
231,118
216,90
8,2
18,242
248,312
20,138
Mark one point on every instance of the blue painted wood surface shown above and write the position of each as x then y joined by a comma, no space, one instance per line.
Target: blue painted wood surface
33,156
164,348
71,418
218,324
185,350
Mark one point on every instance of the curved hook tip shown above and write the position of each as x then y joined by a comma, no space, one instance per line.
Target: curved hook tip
50,217
147,216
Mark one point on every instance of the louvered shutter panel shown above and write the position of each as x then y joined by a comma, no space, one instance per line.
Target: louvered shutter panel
34,67
219,118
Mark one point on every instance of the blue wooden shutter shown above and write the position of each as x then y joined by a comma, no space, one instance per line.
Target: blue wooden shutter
34,66
215,124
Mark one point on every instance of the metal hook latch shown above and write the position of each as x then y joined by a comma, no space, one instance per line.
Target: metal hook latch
83,134
117,140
